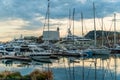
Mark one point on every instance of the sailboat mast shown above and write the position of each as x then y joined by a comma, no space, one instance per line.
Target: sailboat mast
82,23
69,18
48,15
95,39
94,25
73,22
114,29
48,11
102,33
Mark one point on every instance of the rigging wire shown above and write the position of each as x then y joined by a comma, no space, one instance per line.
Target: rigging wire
45,21
46,16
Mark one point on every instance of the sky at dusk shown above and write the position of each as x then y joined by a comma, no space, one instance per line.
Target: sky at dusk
27,17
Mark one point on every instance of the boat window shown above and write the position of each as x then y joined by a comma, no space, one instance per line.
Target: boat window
10,49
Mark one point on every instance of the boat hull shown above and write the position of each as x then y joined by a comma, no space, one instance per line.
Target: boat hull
115,51
101,51
39,56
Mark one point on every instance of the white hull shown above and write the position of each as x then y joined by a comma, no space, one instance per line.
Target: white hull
43,60
35,56
40,54
101,51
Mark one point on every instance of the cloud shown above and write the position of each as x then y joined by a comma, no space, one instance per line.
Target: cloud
29,15
58,8
111,1
10,24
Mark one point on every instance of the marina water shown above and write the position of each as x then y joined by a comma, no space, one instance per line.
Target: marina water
100,67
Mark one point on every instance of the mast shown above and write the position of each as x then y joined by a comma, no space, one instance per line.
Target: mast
48,30
82,23
115,60
94,25
83,77
102,33
95,40
69,18
73,23
114,29
69,26
48,20
48,14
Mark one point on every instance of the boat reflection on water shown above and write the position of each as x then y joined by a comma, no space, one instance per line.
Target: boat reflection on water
71,68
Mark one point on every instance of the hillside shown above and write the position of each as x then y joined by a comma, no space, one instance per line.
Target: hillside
90,34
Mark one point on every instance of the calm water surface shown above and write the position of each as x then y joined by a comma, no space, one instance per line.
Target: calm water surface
96,68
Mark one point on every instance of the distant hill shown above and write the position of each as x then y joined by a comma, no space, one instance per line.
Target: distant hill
90,34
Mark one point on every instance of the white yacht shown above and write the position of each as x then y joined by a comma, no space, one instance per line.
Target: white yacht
116,50
39,53
79,42
101,51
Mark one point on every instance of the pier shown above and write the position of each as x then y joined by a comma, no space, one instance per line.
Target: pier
21,58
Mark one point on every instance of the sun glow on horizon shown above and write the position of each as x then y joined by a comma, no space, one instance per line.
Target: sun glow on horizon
12,28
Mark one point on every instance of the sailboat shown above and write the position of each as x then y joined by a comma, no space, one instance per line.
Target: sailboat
116,49
95,50
45,53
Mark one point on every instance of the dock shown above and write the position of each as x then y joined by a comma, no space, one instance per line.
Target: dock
21,58
70,55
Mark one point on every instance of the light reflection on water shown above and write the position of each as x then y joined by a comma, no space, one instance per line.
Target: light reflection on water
95,68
